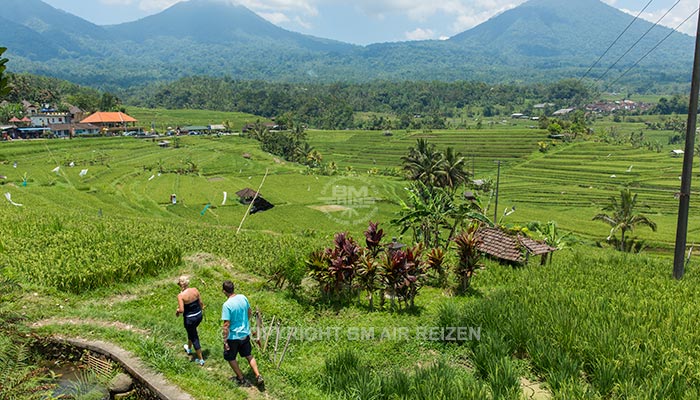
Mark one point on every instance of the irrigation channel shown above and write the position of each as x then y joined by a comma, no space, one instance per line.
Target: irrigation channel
102,370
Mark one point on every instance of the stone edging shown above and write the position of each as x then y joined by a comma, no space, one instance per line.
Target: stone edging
153,381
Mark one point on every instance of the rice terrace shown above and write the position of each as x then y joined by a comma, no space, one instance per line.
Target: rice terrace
404,222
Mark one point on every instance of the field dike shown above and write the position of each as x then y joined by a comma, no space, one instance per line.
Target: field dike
155,384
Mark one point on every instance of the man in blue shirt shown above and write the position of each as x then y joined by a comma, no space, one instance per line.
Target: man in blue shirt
236,313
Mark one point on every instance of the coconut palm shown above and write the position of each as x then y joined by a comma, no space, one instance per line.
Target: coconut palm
424,163
624,217
4,83
314,158
452,173
302,151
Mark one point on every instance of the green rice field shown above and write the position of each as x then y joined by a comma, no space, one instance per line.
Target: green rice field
92,244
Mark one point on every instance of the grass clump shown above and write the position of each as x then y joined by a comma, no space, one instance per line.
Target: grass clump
350,377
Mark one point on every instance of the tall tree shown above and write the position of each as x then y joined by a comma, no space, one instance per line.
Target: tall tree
109,102
624,217
452,173
4,86
424,163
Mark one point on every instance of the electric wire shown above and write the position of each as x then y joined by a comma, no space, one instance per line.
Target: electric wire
637,42
614,41
653,48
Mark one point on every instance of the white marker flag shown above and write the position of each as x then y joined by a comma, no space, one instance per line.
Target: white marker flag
151,178
8,196
83,172
56,169
224,202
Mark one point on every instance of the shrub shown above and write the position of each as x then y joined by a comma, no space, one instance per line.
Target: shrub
467,248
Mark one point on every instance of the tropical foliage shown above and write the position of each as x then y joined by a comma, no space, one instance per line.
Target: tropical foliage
4,87
467,244
345,268
624,219
552,235
20,377
424,163
435,209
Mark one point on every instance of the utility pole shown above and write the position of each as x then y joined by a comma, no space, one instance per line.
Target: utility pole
684,198
498,179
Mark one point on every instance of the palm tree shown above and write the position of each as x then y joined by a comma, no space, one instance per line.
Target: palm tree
424,163
624,217
452,173
425,213
4,84
302,151
314,159
259,131
552,235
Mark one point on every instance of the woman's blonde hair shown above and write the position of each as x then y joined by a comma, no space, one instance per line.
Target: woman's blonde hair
184,281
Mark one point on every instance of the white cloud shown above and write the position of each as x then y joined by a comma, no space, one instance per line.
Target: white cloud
275,17
458,15
116,2
420,34
302,23
673,20
153,5
306,7
465,14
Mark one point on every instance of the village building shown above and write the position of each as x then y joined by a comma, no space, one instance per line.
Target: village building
563,111
50,117
608,107
29,108
111,122
76,113
541,106
514,249
68,130
195,129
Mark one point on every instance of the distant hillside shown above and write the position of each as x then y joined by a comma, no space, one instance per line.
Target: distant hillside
214,22
539,41
26,42
550,32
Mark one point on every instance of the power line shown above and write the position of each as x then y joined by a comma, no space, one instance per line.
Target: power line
652,49
637,42
615,41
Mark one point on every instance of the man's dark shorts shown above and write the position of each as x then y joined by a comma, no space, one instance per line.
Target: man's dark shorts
238,346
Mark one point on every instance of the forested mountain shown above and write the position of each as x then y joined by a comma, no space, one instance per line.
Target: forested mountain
542,34
539,41
219,24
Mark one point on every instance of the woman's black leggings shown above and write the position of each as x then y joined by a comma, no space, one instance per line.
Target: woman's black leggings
191,324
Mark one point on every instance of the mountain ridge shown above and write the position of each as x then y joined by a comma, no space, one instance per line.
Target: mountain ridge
540,40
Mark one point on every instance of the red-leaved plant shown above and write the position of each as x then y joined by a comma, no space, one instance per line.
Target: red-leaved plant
467,248
334,268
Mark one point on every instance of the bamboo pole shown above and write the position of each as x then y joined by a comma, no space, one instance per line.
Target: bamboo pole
269,332
258,326
284,351
252,202
277,340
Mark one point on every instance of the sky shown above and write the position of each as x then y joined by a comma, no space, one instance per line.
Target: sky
373,21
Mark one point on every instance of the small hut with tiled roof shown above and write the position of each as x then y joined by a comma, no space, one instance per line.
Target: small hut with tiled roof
515,249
